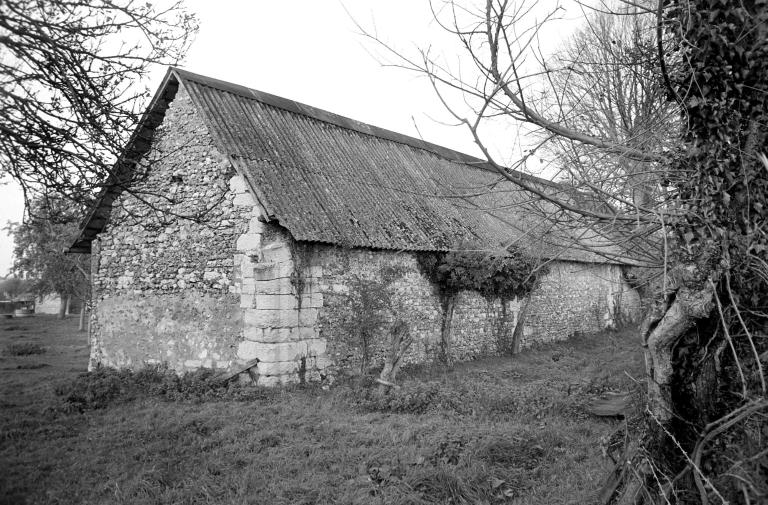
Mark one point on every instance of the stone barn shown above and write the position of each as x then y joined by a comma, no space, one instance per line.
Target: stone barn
247,232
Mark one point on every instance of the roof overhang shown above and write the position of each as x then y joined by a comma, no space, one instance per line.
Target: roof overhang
122,171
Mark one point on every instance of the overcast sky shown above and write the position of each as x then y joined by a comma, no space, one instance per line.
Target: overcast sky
311,51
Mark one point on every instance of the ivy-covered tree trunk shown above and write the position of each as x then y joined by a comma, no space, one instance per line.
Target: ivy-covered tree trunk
663,327
703,341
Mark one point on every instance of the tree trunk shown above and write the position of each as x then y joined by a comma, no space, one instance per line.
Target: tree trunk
448,305
400,342
662,328
517,335
665,324
81,326
62,306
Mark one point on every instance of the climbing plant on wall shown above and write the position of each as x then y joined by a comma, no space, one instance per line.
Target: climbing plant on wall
504,275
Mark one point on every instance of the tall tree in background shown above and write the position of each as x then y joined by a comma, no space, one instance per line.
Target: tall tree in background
704,338
39,245
70,74
13,287
606,81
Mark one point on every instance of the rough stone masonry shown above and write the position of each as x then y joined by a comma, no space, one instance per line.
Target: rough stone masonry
189,273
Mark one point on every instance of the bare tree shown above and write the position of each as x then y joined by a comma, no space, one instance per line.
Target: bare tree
702,205
70,94
606,81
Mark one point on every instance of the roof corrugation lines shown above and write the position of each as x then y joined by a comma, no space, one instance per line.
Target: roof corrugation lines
334,180
327,178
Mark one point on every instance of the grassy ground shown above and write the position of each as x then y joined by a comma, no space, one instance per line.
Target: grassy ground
504,430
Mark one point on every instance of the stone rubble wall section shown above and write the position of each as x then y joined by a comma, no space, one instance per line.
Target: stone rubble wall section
476,327
579,297
164,282
572,298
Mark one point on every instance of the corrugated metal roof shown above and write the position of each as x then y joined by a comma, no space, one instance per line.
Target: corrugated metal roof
327,178
331,179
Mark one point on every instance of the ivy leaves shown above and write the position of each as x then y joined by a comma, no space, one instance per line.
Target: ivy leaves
722,184
493,275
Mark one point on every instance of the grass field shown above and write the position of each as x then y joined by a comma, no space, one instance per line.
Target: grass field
502,430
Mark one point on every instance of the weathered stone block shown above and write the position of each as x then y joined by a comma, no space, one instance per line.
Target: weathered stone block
270,318
320,362
256,225
246,301
287,334
282,351
283,318
243,200
249,242
276,380
237,184
289,301
268,271
281,286
253,333
247,285
247,350
277,252
278,368
275,302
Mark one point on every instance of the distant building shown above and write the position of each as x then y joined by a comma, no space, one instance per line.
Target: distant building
265,215
51,304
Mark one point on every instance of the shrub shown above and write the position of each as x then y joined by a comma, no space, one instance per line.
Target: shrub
93,390
104,386
509,275
24,349
413,398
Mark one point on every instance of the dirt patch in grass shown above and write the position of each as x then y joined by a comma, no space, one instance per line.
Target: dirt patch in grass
502,430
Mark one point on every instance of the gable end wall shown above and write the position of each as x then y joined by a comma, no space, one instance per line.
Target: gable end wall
165,287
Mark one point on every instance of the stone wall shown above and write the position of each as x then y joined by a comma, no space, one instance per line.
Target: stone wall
187,272
313,311
579,297
349,278
164,284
